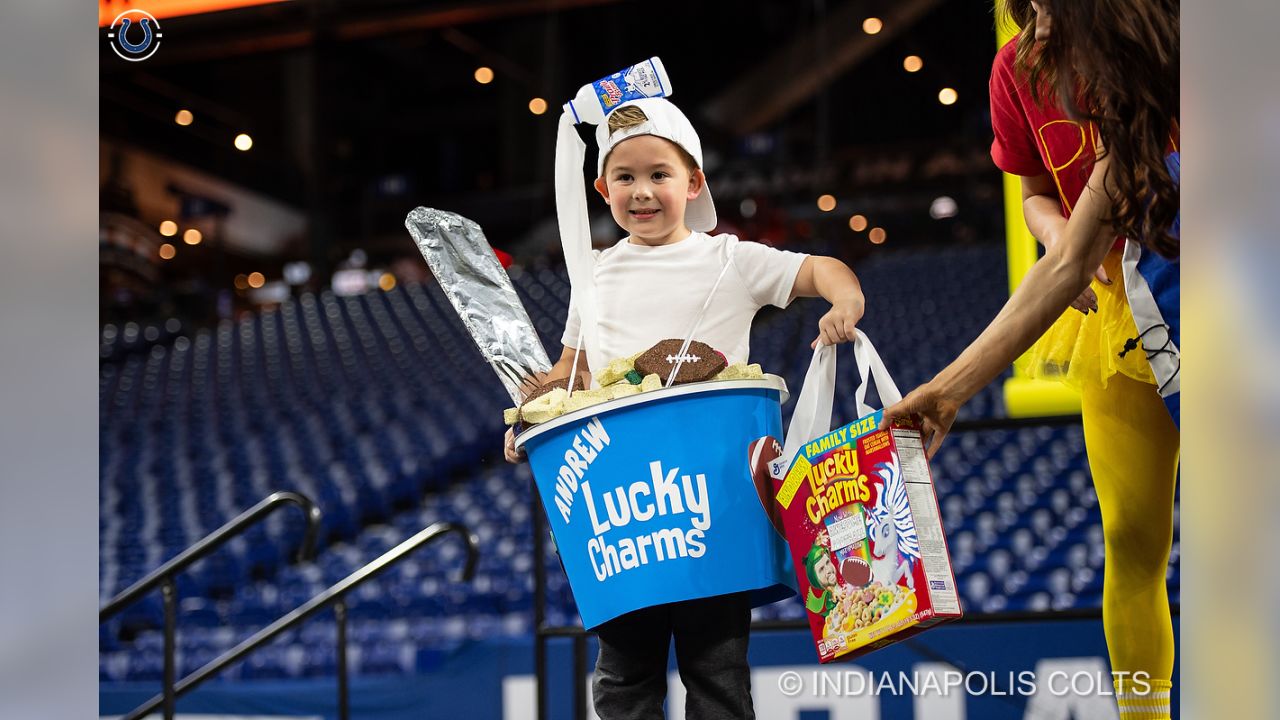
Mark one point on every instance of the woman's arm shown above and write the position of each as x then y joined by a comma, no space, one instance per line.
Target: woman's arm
1043,213
1045,292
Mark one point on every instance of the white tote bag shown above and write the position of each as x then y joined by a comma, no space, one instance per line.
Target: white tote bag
811,418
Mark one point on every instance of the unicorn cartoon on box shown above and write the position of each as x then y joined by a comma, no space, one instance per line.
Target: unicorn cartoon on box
894,544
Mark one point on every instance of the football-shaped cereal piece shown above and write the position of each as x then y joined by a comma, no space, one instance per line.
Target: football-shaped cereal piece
763,457
701,361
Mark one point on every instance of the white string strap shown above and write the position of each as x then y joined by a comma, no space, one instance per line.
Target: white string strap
697,321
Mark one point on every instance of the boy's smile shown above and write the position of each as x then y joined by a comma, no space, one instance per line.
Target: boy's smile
647,183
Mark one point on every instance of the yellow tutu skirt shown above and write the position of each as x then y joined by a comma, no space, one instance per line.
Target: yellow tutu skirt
1079,349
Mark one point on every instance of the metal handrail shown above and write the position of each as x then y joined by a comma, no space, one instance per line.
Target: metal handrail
332,596
165,574
213,541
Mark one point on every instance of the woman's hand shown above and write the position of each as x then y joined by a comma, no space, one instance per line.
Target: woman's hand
1088,300
937,411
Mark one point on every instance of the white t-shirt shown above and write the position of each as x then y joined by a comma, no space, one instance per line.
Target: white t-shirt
645,294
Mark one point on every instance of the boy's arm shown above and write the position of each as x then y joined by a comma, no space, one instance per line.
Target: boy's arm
564,366
832,280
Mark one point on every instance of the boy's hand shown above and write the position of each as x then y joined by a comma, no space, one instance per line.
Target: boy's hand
509,450
532,382
838,325
527,385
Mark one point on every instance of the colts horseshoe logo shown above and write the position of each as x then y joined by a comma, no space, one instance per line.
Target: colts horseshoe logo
135,35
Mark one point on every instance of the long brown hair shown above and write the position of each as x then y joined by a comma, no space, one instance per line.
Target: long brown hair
1029,58
1115,63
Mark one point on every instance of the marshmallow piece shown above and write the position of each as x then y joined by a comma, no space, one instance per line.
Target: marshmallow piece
741,371
588,398
616,370
545,407
579,401
623,390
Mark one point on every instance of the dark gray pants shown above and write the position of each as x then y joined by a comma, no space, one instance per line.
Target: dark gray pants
711,653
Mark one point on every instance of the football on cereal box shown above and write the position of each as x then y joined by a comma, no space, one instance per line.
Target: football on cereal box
764,458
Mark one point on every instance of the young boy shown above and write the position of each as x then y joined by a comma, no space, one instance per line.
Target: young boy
651,286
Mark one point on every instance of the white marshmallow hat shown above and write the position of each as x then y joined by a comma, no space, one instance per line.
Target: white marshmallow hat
665,121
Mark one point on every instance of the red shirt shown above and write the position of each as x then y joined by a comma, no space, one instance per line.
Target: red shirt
1031,139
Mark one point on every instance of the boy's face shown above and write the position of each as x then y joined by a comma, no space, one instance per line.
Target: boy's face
647,185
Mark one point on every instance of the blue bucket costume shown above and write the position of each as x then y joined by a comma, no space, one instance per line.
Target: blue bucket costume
656,505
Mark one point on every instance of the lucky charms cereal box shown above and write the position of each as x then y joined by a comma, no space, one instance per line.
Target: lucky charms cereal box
866,539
